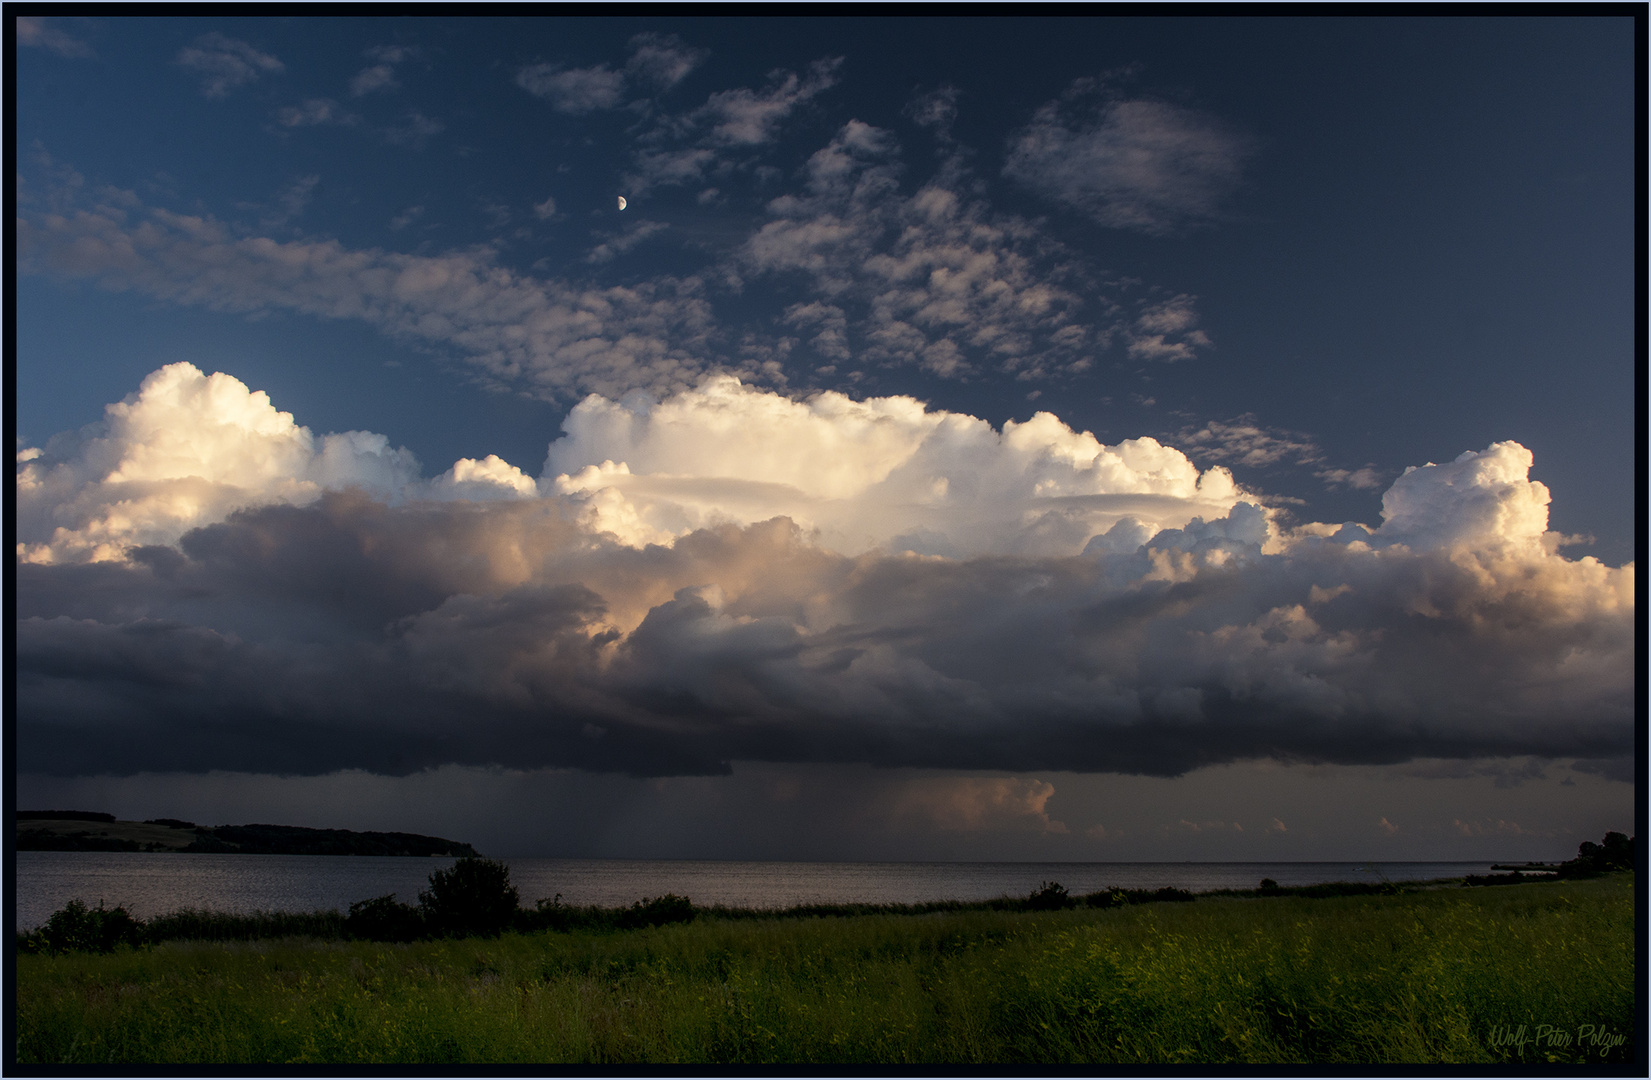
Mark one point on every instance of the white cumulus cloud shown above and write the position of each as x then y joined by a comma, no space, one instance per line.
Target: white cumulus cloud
1482,499
880,472
186,450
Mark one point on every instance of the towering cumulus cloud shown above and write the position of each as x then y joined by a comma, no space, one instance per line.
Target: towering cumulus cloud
728,574
885,472
187,450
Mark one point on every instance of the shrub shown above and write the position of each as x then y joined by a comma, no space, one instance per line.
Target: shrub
472,898
669,908
1269,885
383,919
78,928
1049,896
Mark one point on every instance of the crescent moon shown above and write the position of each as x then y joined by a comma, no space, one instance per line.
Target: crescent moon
621,202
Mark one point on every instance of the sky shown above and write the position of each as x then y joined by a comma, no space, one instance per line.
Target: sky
1009,439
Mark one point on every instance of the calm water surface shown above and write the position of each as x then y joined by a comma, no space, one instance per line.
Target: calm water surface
151,884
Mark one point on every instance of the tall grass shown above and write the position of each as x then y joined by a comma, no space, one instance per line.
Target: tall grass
1426,977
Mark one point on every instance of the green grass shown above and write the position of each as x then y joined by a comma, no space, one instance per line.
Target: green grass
1422,977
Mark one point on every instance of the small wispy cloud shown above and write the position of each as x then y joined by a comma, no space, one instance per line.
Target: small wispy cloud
315,113
662,59
369,80
574,90
658,61
745,117
35,32
414,130
615,246
406,218
392,54
1142,165
295,197
1167,332
685,149
936,109
382,75
225,63
1364,479
1243,440
830,322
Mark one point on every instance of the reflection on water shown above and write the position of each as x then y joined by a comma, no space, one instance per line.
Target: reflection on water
150,884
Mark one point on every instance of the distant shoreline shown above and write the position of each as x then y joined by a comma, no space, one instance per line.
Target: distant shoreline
81,830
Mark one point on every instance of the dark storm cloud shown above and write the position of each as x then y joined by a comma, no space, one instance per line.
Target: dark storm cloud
353,634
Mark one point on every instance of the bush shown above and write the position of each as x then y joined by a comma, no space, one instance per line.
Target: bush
1049,896
472,898
1269,885
383,919
669,908
78,928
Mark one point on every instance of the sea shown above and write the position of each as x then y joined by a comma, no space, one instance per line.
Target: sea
149,884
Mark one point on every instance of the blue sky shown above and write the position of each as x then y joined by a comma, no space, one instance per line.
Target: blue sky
1300,256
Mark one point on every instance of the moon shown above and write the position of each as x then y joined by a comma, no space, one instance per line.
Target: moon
621,202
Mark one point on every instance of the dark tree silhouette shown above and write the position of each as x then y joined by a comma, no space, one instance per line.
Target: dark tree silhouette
472,898
1617,853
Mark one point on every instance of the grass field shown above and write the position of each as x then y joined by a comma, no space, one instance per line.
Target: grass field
1529,973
